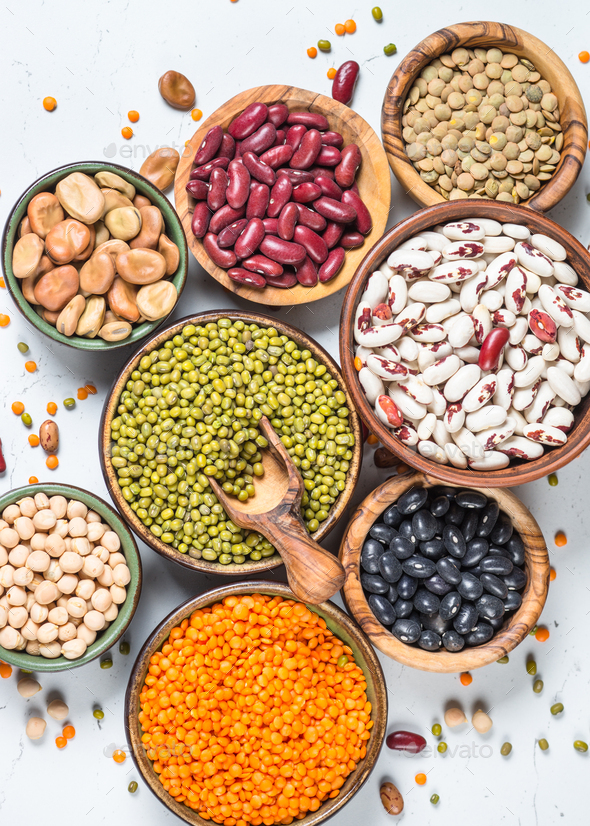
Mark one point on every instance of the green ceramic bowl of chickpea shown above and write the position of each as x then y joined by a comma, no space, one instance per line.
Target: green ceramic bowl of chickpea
47,183
105,639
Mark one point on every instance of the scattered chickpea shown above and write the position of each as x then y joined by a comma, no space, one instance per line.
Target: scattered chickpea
481,721
35,728
454,717
58,710
49,104
27,687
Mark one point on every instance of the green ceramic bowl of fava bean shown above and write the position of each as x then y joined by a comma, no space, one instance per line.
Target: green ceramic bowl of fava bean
47,183
107,638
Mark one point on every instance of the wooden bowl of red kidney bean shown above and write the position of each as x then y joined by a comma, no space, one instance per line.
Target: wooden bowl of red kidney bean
473,358
444,578
281,192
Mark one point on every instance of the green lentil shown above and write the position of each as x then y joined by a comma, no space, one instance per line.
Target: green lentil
442,747
553,480
580,745
69,403
98,713
191,410
324,45
543,744
341,662
556,708
23,348
390,49
503,660
531,668
437,729
538,686
132,787
124,648
434,799
108,663
377,13
26,419
506,749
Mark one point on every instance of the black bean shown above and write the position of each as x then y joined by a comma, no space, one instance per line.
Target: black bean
418,567
406,529
449,570
496,623
494,585
454,515
382,533
370,554
392,516
497,551
407,586
516,580
503,530
496,565
374,584
449,605
437,585
513,601
487,519
425,602
466,618
390,567
403,608
434,622
412,500
424,525
471,499
476,550
406,630
402,547
469,525
476,571
440,525
439,506
470,587
383,610
443,490
452,641
482,633
515,549
432,548
392,594
430,640
490,607
454,541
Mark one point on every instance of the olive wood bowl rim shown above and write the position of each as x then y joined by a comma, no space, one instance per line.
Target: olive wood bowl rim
108,412
370,146
444,662
173,227
426,218
337,620
490,34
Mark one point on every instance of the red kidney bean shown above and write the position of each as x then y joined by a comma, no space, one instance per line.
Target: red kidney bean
295,134
257,169
224,217
334,210
491,349
329,156
307,273
542,325
309,149
238,188
351,239
347,168
296,176
228,236
217,189
332,264
328,187
2,459
280,138
332,234
405,741
250,239
277,155
283,252
261,140
313,120
363,221
311,219
283,282
200,220
354,187
280,195
277,114
249,121
228,147
198,189
271,226
238,150
324,171
208,148
287,221
258,201
250,279
314,244
345,81
203,173
332,139
305,193
263,265
223,258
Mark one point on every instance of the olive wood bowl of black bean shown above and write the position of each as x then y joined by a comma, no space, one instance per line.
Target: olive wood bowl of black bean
530,557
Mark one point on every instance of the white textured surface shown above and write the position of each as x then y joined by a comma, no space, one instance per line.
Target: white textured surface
99,61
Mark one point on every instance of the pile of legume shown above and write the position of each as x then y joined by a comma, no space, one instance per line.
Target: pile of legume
248,718
191,409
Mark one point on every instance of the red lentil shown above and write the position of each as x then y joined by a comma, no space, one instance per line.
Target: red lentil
51,408
466,678
30,366
560,539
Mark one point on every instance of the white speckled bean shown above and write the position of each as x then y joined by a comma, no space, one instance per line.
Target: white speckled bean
565,273
385,368
533,282
555,306
408,406
468,354
371,384
436,256
504,318
533,259
410,263
491,299
463,249
461,382
464,231
518,330
491,415
461,332
549,247
438,404
530,373
471,291
563,364
563,385
415,387
491,437
445,309
428,333
442,370
417,242
525,396
468,443
581,325
429,291
570,345
545,434
551,350
379,336
361,352
480,394
519,420
398,293
583,387
440,434
526,307
454,271
433,452
582,368
516,358
362,319
543,399
454,418
517,447
406,434
407,348
559,417
431,352
499,268
521,233
492,460
455,455
375,291
505,388
426,426
574,298
389,351
435,240
533,345
498,244
515,289
385,269
490,226
482,322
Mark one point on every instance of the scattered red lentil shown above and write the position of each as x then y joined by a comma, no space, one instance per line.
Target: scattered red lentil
542,634
61,742
30,366
5,670
133,115
196,114
4,320
82,393
339,28
420,778
312,52
34,440
18,408
91,389
69,732
49,104
127,132
331,73
52,462
552,574
119,756
33,480
51,408
560,539
350,26
358,364
372,439
2,283
466,678
584,57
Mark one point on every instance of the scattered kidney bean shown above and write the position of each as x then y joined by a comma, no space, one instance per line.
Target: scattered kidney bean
228,236
332,264
203,173
2,459
262,265
287,221
251,279
280,195
307,273
223,258
345,81
249,121
257,169
405,741
347,168
210,145
238,188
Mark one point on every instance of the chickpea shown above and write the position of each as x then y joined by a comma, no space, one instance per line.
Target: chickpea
58,616
76,508
58,710
47,632
38,561
24,527
10,638
67,584
73,649
28,687
117,559
78,526
94,620
30,630
46,592
101,599
84,633
92,516
18,556
93,566
7,576
110,540
23,577
17,616
16,595
111,613
61,528
41,501
38,613
9,538
119,594
35,728
71,562
67,632
38,541
50,650
85,588
81,545
33,648
121,575
76,607
95,531
27,506
101,553
59,506
3,616
11,513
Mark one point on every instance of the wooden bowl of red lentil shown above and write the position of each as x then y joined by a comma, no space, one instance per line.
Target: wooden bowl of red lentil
159,734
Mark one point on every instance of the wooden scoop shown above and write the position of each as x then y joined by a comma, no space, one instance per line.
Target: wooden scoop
314,574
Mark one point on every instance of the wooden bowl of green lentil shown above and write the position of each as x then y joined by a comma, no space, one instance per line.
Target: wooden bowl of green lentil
165,498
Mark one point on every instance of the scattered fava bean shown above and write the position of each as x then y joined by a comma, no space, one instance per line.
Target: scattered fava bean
125,648
556,708
69,403
442,747
543,744
324,45
35,728
538,686
580,745
177,90
531,668
390,49
437,729
553,480
23,348
377,13
506,749
503,660
391,798
106,663
434,799
98,714
26,419
132,787
481,721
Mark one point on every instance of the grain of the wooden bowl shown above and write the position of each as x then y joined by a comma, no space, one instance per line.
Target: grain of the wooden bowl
510,39
515,629
47,182
373,182
104,639
110,411
517,472
336,620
